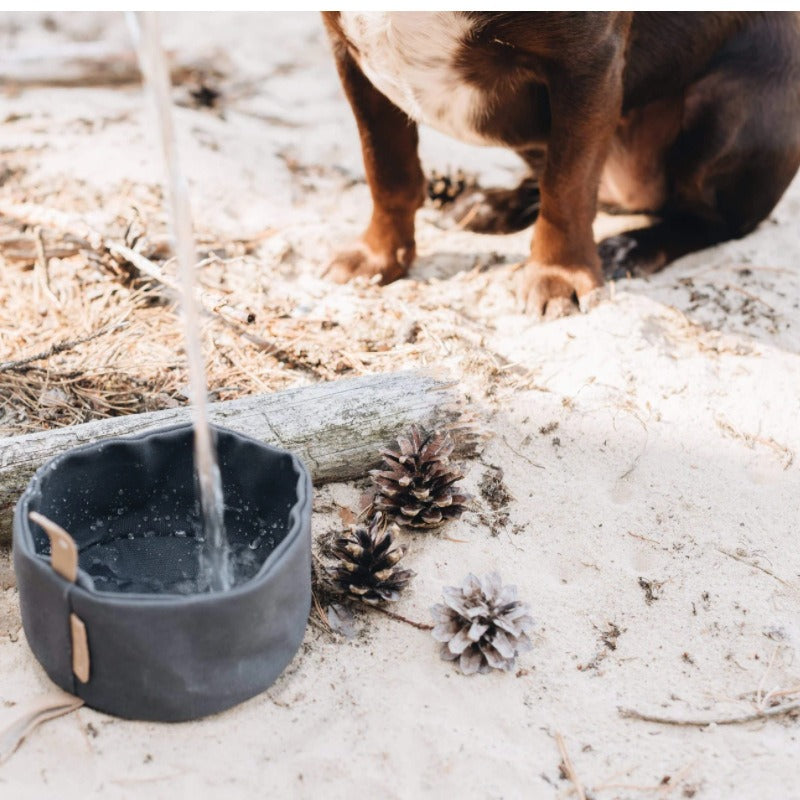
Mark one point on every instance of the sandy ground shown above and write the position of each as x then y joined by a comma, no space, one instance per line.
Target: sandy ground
648,448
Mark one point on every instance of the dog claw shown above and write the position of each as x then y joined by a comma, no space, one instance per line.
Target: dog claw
362,261
557,308
594,298
551,291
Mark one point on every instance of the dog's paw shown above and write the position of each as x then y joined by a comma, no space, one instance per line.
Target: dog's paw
550,292
628,256
362,261
496,210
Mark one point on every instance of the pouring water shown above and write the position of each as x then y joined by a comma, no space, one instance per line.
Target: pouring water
215,568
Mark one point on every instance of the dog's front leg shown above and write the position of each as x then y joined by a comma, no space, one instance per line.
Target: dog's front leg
585,110
389,146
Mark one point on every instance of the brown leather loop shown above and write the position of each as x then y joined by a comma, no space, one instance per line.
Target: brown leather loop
80,648
63,550
33,714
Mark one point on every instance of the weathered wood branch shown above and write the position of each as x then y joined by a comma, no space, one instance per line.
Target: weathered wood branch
703,722
70,65
92,64
336,428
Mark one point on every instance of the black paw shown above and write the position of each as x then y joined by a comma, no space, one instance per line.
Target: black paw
628,256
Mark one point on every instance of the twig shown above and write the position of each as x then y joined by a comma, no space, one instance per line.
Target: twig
33,214
665,787
750,439
660,788
759,694
521,455
644,538
468,217
149,779
453,539
754,565
320,612
423,626
59,347
752,296
777,711
779,693
42,267
40,216
569,769
27,252
218,308
143,264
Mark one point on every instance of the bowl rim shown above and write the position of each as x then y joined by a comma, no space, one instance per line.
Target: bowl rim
23,536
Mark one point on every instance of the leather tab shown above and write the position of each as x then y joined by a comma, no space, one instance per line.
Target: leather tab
63,550
28,717
80,648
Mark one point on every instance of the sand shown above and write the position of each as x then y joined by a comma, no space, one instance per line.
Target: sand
648,448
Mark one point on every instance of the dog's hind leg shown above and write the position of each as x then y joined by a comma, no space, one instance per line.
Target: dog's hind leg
500,210
645,251
497,210
737,152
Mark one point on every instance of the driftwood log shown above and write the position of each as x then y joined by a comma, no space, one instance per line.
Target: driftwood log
336,428
89,64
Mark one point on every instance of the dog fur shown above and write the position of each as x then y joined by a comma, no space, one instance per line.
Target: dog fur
693,117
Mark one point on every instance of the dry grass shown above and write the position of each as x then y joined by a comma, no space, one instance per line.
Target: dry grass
119,337
85,333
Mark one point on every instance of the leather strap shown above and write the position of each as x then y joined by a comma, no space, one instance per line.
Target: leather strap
80,648
63,550
64,559
29,717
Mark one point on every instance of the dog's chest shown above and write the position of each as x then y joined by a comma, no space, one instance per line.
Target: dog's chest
412,58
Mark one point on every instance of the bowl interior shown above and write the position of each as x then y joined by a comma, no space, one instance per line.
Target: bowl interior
132,508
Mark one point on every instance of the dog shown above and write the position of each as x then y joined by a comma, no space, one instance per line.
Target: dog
692,117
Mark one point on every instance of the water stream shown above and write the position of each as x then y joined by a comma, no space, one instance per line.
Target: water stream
215,568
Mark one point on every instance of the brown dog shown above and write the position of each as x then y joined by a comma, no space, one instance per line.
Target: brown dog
693,117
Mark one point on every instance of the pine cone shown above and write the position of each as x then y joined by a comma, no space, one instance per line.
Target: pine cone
415,485
367,559
482,624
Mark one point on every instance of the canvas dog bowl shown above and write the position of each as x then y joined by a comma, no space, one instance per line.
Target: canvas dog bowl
125,635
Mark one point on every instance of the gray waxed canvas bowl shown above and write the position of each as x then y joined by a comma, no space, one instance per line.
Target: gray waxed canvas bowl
130,503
